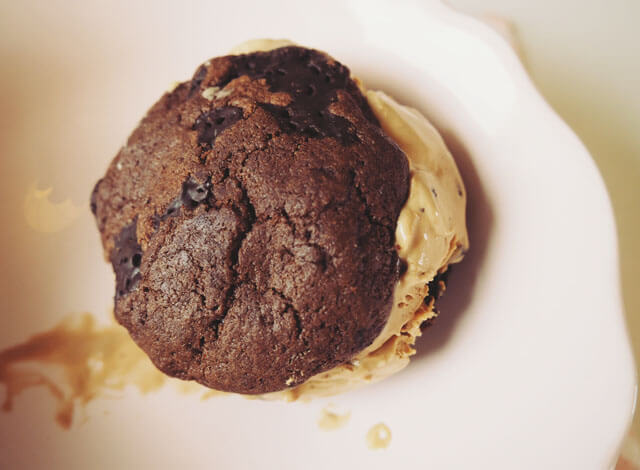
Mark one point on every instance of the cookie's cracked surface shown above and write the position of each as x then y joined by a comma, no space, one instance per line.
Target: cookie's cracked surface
260,202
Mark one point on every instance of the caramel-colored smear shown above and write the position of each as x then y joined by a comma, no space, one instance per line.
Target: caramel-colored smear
330,420
45,216
379,437
93,360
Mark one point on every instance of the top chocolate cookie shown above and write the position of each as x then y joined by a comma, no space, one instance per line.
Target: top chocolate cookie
250,221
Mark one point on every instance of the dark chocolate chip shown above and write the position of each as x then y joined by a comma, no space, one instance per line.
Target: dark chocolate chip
212,123
193,193
126,258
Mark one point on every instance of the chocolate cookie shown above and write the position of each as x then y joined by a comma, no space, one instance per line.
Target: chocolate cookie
250,220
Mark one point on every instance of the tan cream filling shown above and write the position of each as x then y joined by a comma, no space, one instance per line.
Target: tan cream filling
431,233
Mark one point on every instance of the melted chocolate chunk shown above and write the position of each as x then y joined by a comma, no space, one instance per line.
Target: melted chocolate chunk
193,193
212,123
126,258
312,83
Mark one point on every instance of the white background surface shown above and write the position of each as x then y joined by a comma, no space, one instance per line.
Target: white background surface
584,55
